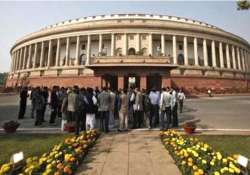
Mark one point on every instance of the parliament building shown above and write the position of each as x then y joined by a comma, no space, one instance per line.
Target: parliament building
123,50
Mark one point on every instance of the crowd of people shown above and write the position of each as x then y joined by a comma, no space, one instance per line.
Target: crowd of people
90,108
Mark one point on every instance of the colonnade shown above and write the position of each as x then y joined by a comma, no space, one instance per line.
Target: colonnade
230,56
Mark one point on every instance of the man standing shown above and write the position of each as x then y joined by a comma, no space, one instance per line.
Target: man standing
32,102
72,97
38,105
174,108
112,109
165,108
154,99
181,98
138,108
123,111
81,107
91,102
45,94
103,108
23,102
53,105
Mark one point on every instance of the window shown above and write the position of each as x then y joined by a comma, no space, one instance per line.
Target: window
131,51
83,47
144,37
118,37
131,37
180,47
118,52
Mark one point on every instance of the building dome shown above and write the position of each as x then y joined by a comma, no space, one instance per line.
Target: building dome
122,50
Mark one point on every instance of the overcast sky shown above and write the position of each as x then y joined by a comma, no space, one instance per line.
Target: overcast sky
20,18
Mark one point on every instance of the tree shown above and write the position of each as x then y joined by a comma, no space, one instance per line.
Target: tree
243,4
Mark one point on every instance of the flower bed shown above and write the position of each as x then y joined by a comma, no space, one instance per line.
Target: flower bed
194,157
63,159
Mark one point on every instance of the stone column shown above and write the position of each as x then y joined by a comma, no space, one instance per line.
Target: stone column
238,57
163,45
112,51
120,82
100,45
58,47
42,54
233,55
19,65
205,52
196,59
12,61
174,50
29,57
185,44
35,55
88,50
125,44
143,82
243,65
17,59
221,55
228,57
150,47
213,54
138,43
49,53
77,50
24,57
67,52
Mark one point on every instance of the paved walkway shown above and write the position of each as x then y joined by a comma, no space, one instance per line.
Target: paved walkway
133,153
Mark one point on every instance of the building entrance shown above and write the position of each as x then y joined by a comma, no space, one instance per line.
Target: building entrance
131,81
154,81
110,81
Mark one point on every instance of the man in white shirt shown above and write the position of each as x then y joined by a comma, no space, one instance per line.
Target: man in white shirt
166,102
181,98
154,100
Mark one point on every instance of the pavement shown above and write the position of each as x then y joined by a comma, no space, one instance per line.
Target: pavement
130,153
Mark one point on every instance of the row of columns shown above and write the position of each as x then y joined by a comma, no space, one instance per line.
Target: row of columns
21,59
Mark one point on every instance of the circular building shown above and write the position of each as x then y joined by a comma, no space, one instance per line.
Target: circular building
143,50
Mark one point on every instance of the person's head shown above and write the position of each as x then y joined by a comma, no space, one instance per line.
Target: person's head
164,89
154,89
143,90
104,88
125,91
167,89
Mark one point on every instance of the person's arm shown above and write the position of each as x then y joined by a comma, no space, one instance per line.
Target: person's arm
161,101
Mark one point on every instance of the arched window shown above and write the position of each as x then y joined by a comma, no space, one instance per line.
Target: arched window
131,51
180,59
82,59
118,52
144,51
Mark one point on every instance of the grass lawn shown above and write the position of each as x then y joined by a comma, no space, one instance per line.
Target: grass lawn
228,144
30,144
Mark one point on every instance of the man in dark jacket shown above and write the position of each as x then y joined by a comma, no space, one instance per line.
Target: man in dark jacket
53,105
45,95
23,102
38,105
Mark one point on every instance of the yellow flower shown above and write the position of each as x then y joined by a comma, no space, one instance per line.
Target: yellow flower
201,172
204,161
195,167
216,173
190,164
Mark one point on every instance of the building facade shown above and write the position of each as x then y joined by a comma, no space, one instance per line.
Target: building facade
121,50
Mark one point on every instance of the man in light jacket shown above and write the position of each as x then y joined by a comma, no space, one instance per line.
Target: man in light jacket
166,103
103,108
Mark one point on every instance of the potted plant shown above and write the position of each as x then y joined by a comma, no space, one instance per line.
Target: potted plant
189,127
10,126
